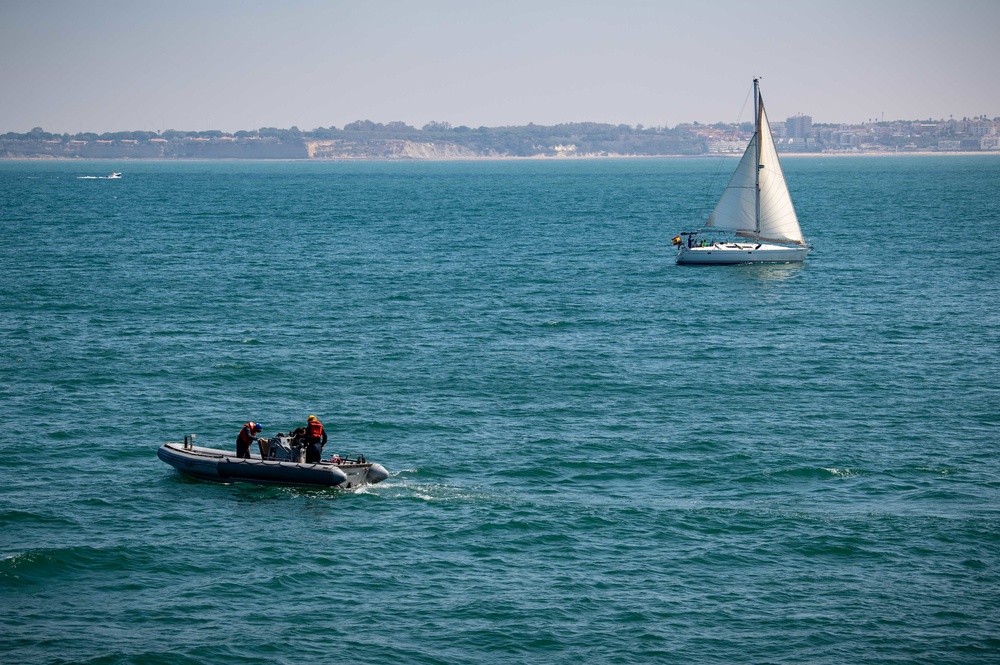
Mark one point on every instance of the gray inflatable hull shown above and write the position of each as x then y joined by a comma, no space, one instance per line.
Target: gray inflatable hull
221,466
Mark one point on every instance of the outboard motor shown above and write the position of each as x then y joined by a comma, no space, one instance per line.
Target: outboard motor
377,473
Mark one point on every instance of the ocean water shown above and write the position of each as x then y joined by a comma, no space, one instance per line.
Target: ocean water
596,455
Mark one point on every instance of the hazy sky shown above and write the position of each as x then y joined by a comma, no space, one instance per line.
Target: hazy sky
108,65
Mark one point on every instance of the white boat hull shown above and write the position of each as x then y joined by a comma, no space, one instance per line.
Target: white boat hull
736,253
222,466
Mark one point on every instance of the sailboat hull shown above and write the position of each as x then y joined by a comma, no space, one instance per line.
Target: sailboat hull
736,253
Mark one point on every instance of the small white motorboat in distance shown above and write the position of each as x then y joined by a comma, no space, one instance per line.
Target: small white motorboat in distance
280,462
114,175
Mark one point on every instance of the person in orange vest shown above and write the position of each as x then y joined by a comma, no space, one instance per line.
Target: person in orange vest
315,439
246,437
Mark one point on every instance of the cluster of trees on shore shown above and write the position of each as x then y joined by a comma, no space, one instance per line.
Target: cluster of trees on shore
527,140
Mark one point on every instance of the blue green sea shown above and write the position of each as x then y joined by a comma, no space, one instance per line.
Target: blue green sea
596,455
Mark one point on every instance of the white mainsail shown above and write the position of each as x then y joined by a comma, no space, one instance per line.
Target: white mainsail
737,209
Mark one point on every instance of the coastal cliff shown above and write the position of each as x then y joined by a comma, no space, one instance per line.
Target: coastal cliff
387,149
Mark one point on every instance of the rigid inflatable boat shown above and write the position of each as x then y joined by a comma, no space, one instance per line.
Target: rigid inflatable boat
279,462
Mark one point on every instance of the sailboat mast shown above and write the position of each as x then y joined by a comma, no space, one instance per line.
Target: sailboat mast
756,171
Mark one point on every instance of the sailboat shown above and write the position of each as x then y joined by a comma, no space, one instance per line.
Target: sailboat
754,220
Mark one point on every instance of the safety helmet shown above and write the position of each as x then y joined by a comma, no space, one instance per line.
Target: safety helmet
257,427
311,418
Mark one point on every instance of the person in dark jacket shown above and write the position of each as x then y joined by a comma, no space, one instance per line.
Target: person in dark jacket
246,437
315,439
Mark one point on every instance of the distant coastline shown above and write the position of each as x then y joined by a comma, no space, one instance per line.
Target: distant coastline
499,158
365,140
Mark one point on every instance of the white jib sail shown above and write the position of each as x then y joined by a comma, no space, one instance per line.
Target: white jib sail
778,221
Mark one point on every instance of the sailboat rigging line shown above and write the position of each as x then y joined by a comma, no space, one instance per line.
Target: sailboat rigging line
711,188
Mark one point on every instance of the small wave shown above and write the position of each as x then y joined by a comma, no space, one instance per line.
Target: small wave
22,516
41,565
12,566
805,473
939,472
843,473
379,425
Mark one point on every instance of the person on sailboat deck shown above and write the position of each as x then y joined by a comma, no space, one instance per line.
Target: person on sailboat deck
246,437
315,439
